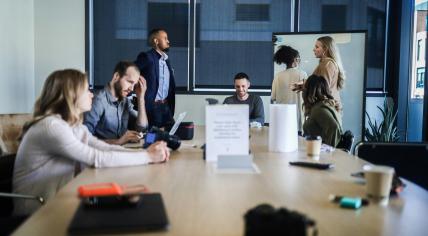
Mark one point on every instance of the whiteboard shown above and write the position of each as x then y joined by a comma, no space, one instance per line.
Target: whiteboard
352,48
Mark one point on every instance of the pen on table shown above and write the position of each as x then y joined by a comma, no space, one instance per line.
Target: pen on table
189,145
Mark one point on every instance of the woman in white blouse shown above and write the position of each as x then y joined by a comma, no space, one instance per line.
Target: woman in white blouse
282,85
55,143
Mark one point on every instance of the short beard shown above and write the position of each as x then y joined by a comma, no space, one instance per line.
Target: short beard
118,90
166,50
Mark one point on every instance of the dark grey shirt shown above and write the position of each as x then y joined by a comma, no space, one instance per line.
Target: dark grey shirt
257,112
109,118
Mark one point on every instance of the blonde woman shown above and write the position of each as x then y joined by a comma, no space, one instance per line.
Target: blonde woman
55,143
330,66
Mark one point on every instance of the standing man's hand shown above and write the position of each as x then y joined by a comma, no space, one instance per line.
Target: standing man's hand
141,88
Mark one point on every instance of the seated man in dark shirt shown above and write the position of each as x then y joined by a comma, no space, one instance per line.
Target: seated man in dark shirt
242,83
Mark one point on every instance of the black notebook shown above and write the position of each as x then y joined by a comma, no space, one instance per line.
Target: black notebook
148,215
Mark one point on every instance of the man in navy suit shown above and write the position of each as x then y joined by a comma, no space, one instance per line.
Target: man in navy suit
156,69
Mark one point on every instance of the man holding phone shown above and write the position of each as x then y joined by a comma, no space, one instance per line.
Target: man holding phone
112,112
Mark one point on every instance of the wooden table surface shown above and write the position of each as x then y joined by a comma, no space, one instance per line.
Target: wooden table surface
200,201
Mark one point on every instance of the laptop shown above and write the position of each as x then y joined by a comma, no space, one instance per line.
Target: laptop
148,215
177,123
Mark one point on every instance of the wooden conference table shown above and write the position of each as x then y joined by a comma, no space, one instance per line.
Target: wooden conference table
200,201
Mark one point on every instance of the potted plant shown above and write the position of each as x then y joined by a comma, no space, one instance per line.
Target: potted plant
386,130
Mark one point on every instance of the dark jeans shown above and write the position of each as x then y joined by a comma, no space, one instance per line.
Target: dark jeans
160,116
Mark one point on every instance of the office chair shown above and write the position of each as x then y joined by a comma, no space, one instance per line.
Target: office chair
346,141
8,223
410,160
211,101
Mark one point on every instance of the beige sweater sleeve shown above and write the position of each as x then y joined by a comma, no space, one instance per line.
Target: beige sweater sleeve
329,70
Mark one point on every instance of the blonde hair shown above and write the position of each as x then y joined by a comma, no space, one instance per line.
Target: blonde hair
59,96
332,52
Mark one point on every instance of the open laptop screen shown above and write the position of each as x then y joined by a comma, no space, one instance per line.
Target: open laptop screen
177,123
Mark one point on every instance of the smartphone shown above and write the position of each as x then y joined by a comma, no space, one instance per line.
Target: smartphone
113,201
320,166
100,189
111,195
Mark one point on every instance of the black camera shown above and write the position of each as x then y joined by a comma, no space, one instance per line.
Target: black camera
264,219
155,134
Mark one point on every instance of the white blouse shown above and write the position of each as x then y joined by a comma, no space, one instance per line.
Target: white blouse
49,153
282,93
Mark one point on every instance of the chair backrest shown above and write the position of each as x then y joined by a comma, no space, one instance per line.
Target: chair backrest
346,141
410,160
10,129
6,174
3,148
211,101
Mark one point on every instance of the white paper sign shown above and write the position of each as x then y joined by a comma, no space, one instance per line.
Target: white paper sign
227,130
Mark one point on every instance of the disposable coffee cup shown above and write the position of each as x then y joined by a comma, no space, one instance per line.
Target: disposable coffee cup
313,146
378,183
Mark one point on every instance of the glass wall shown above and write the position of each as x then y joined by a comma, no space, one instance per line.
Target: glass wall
120,30
236,36
417,74
341,15
212,40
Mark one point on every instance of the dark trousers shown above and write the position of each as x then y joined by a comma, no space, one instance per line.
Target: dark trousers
160,116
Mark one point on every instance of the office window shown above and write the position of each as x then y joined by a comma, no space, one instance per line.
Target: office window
376,43
418,50
418,84
225,37
419,42
228,46
342,15
420,78
338,22
252,12
120,32
174,17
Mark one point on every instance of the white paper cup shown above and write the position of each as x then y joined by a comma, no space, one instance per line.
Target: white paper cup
378,183
313,146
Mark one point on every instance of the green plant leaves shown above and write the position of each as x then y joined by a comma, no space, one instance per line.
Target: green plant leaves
386,130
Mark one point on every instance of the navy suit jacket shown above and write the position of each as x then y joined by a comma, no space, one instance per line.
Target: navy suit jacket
148,63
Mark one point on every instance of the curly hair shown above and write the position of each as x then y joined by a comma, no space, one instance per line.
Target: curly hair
316,90
286,55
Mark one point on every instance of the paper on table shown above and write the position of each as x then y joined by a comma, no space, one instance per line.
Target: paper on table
283,128
227,130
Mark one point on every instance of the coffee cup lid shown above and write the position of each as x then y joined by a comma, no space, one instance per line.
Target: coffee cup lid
312,137
379,168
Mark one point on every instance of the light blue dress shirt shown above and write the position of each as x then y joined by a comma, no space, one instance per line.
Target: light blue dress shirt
163,78
108,117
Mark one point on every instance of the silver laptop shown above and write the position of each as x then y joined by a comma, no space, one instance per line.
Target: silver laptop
177,123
